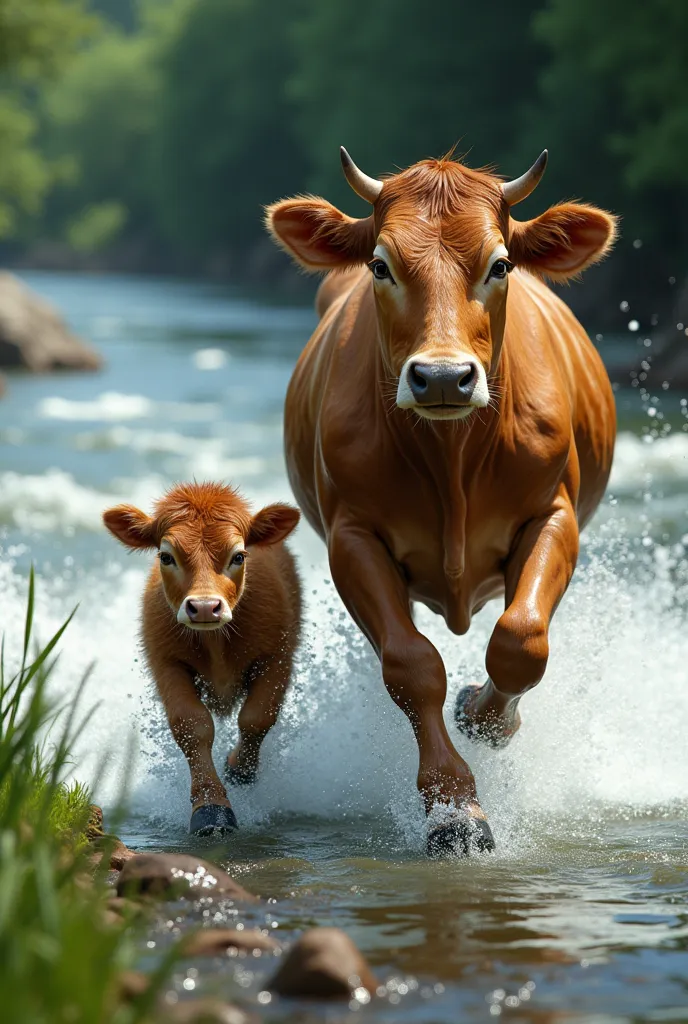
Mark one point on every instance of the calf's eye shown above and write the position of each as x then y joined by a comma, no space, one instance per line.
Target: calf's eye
238,559
166,558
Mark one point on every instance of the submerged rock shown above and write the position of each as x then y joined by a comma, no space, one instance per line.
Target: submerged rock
132,985
213,941
323,964
33,335
206,1011
176,874
119,855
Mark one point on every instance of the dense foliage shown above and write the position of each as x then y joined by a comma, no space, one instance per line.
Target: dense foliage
176,120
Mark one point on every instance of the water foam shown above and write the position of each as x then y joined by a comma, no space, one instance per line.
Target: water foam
111,406
54,501
642,462
606,728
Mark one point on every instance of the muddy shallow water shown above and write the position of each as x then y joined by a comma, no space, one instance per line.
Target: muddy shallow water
583,911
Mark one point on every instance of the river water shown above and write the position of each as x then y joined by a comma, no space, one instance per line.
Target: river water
581,914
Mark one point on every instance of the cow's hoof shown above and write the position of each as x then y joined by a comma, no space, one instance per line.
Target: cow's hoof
239,776
460,837
496,734
213,820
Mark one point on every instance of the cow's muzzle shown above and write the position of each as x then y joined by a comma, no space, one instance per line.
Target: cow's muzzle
442,388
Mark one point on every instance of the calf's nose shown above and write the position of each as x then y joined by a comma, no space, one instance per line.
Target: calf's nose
442,383
203,609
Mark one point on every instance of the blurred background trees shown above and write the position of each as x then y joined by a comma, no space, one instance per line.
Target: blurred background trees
149,133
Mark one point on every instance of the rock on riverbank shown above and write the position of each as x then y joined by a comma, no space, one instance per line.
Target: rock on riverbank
33,335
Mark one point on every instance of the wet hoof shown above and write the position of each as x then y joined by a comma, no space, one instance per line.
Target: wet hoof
460,837
496,734
213,820
239,776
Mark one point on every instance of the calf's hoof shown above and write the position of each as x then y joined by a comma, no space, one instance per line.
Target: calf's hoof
497,733
212,820
460,837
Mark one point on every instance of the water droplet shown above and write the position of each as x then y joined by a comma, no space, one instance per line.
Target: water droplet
624,306
633,325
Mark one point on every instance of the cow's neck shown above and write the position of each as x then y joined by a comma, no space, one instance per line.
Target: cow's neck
450,455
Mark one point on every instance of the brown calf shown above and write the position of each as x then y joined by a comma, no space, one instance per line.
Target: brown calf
221,616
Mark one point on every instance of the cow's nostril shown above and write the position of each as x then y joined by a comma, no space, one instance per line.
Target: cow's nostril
418,379
191,609
467,375
217,610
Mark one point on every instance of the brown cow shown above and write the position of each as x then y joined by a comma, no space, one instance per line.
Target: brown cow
221,617
446,443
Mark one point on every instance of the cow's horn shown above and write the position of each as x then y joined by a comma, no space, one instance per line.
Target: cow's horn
365,187
520,188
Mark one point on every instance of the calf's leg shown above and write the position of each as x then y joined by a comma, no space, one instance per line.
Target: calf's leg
267,685
371,585
537,574
194,731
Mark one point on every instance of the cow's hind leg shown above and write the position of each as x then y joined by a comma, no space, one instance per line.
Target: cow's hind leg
537,575
268,680
371,585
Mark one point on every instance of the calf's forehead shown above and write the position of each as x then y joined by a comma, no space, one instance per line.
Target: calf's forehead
204,543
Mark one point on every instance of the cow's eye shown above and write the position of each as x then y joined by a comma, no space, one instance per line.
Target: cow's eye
238,559
166,558
380,270
499,269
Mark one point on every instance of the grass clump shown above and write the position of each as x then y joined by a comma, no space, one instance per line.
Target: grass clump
61,954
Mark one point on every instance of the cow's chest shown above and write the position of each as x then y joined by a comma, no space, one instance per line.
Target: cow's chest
219,678
452,559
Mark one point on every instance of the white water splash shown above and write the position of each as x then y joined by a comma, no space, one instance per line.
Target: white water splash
607,725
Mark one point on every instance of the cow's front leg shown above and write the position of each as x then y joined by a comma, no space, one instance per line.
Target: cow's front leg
268,682
194,731
537,575
372,587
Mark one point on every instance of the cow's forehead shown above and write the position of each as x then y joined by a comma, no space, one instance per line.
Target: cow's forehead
205,540
462,241
440,211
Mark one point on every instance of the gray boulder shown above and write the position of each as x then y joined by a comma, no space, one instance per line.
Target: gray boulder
33,335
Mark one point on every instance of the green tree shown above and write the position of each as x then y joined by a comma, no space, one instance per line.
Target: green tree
37,37
397,81
98,120
613,106
224,143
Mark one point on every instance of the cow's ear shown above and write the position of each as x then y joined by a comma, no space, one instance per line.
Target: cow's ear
272,524
563,241
318,235
131,526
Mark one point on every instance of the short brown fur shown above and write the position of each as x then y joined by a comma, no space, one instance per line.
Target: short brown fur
251,656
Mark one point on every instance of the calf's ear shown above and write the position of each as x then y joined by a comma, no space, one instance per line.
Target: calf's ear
272,524
562,241
318,235
131,526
